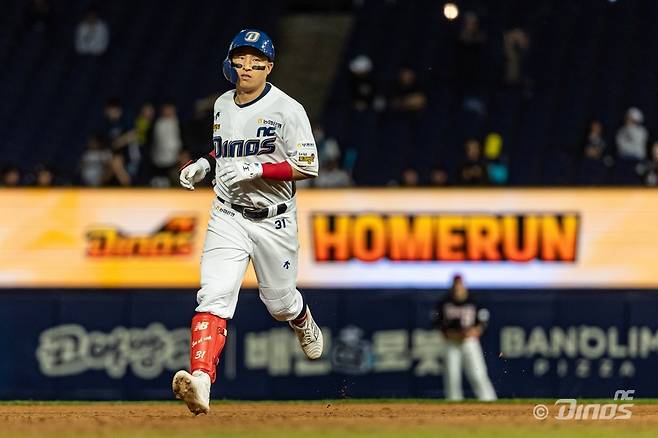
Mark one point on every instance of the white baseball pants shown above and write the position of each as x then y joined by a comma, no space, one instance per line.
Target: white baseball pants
271,244
469,354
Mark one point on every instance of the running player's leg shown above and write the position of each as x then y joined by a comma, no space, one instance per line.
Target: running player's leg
223,264
275,262
275,257
452,372
476,370
222,270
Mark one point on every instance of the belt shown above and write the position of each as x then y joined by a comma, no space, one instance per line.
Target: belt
257,213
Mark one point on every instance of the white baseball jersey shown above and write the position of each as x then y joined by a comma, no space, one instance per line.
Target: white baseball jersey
271,129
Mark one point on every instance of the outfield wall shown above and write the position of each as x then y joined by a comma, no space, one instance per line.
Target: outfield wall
126,345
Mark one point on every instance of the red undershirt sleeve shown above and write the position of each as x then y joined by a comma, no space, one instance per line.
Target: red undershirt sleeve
278,171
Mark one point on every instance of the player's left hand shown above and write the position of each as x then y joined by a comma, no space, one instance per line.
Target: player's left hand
238,171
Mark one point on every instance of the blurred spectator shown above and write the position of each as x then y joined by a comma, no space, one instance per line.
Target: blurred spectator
328,147
116,134
407,103
362,85
92,36
143,140
95,163
43,176
471,42
470,52
515,45
144,125
497,169
330,175
473,171
410,178
408,98
38,17
632,137
595,145
595,162
128,150
650,168
114,123
631,148
11,176
439,176
167,147
119,175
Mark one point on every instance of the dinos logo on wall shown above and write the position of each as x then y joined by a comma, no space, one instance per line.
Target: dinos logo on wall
513,237
174,237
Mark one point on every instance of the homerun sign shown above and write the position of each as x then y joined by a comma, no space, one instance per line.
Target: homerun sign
371,237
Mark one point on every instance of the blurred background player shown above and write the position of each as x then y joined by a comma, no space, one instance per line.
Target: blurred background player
462,322
263,143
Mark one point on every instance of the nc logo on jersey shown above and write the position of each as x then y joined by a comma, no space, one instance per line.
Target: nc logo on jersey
215,128
252,36
269,129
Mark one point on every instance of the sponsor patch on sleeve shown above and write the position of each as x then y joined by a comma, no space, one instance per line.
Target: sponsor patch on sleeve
307,158
306,153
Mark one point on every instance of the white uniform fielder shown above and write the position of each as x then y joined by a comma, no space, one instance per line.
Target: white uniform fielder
466,355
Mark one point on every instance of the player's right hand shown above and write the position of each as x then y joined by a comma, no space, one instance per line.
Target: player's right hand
193,173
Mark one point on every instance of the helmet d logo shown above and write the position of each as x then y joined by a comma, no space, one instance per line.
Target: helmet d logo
252,36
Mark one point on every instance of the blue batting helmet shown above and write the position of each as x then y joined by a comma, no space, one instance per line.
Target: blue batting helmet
247,38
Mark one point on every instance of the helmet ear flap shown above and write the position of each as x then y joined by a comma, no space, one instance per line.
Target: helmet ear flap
229,72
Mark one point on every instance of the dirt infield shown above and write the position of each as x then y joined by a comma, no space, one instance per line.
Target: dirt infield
326,419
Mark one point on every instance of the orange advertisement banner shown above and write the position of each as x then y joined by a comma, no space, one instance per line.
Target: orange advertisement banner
348,238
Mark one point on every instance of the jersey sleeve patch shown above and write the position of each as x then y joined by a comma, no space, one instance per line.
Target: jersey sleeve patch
305,158
306,154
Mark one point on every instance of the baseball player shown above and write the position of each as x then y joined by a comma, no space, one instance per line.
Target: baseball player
262,144
462,322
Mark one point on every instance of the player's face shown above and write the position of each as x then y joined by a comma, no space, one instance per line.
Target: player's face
252,67
459,291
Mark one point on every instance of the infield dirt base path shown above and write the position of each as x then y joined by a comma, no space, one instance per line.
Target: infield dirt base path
312,419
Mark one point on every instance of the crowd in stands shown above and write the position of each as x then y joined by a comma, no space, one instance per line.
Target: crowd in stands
412,149
148,150
146,146
629,160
